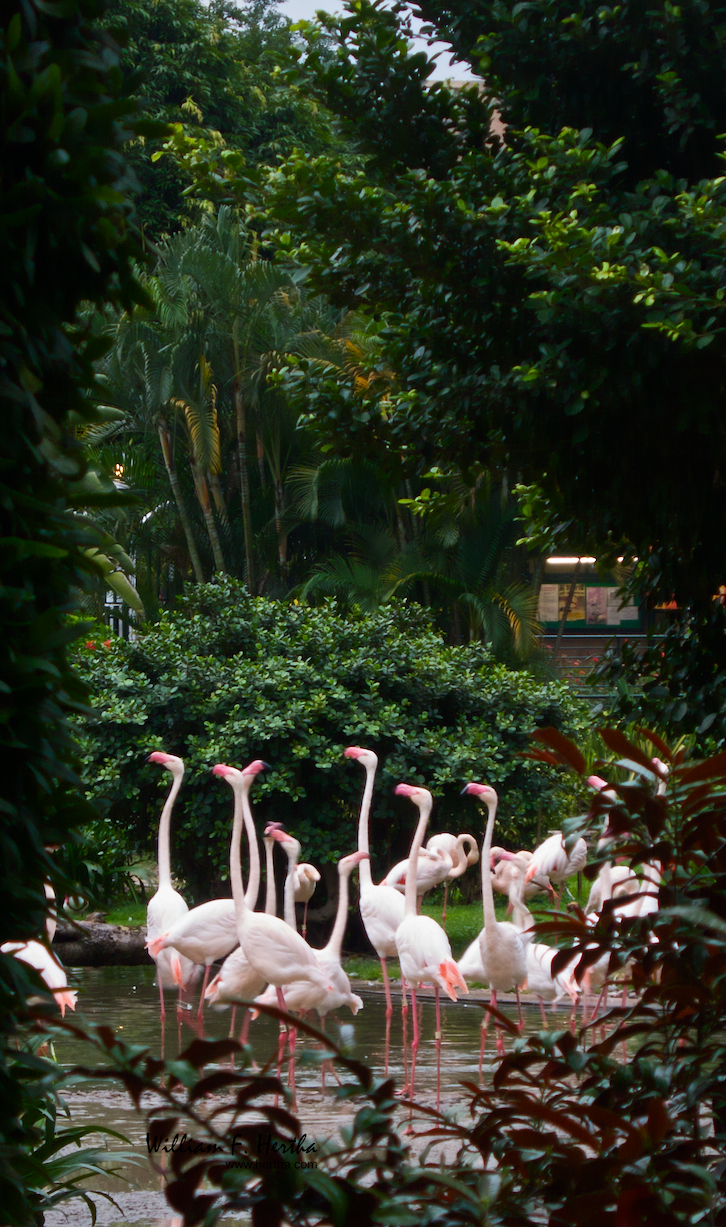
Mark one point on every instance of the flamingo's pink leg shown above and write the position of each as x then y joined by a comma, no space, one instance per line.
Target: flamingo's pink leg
231,1033
404,1025
201,999
414,1050
438,1048
519,1007
281,1037
446,896
244,1033
544,1016
305,918
389,1010
163,1015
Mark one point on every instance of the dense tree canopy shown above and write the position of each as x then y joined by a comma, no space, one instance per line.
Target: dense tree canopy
554,304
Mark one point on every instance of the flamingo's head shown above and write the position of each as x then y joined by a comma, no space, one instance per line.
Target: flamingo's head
366,757
500,854
483,791
349,862
274,831
419,796
596,782
255,767
272,827
223,770
166,760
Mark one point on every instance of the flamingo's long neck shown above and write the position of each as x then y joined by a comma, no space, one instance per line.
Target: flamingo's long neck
270,892
334,947
487,894
412,871
240,788
164,855
366,877
253,881
293,853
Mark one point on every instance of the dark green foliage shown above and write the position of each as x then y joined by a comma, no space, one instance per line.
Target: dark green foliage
548,307
210,67
66,238
228,678
651,75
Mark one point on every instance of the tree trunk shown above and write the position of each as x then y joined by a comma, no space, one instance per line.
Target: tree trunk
168,454
216,488
281,534
261,460
200,485
244,483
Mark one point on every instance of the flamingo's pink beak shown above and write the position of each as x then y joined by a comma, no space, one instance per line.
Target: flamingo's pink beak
282,837
352,752
158,756
596,782
404,790
221,769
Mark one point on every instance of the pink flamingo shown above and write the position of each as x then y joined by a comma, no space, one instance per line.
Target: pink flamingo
552,859
51,972
166,905
301,995
274,950
501,945
423,947
462,849
382,909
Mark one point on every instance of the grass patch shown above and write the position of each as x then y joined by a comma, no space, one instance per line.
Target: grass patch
127,913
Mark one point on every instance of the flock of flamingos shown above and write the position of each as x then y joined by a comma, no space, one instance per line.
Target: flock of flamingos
267,961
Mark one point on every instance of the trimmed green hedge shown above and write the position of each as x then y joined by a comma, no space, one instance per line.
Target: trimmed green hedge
227,677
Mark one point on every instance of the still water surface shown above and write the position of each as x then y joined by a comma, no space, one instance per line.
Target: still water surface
126,999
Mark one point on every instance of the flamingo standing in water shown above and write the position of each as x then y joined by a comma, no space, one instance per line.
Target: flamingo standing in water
301,995
423,947
501,945
381,907
274,950
237,980
166,906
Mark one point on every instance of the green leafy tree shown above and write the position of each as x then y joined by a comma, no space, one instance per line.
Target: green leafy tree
546,294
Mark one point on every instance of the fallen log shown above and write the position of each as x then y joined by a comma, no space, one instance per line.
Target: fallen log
93,943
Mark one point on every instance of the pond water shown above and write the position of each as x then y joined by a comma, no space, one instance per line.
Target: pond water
126,999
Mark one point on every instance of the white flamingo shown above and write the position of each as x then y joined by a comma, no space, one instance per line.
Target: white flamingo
301,995
166,905
53,975
541,980
501,945
463,850
237,980
274,950
433,868
505,865
553,859
423,947
382,909
306,878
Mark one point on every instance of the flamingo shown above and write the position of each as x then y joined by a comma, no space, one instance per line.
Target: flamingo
506,869
51,972
237,980
274,950
433,868
463,851
306,878
423,947
553,859
381,908
546,985
166,906
501,945
301,996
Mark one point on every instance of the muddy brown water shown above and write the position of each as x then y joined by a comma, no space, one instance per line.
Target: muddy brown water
126,999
